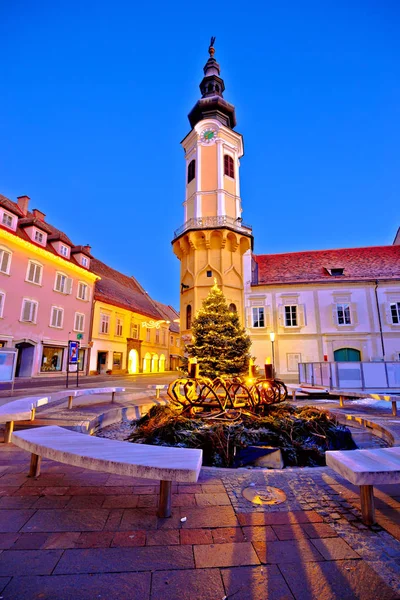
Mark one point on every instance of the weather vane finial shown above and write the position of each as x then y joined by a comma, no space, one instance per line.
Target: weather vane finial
211,48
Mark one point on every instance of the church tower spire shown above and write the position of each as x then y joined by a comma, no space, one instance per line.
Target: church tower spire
213,238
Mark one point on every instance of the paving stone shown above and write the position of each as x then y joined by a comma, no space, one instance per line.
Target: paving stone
8,490
255,583
183,500
129,538
259,533
187,585
114,520
212,499
212,488
319,530
12,520
30,491
146,490
30,541
336,580
196,536
50,501
289,532
167,537
67,520
13,479
7,540
17,501
147,501
94,539
36,562
190,488
215,516
99,491
62,540
122,501
279,518
298,551
138,519
225,555
116,586
86,502
334,549
224,535
3,583
102,560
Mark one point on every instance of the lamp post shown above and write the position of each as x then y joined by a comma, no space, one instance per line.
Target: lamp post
272,338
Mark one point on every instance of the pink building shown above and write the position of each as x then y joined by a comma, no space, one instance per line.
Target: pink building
46,291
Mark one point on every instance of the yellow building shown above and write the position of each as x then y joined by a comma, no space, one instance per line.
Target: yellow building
130,332
213,239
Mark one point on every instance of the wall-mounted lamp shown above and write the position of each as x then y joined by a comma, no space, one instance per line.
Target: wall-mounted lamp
184,287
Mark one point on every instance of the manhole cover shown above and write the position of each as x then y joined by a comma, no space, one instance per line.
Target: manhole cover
264,495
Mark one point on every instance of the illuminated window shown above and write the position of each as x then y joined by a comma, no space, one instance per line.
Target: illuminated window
52,358
164,337
117,360
188,317
191,171
29,311
79,322
229,167
34,272
148,335
258,317
232,308
118,326
57,316
5,261
135,332
157,336
104,323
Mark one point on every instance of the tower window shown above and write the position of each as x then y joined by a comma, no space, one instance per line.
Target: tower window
217,89
209,273
191,170
229,168
188,317
232,308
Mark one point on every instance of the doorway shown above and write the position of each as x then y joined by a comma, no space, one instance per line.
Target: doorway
102,362
347,355
133,362
26,352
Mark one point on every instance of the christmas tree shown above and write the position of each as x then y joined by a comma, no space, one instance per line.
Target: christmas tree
221,345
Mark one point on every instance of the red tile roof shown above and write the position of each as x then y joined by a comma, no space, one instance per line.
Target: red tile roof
359,264
170,314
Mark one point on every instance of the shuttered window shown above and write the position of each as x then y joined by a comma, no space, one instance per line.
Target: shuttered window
83,291
63,283
5,260
34,273
57,315
29,311
79,322
343,314
2,300
258,317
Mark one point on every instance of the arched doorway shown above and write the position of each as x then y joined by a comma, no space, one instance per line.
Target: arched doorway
154,363
133,362
347,355
26,352
147,362
161,364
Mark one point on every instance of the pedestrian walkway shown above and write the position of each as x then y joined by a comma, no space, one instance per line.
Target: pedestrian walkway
74,533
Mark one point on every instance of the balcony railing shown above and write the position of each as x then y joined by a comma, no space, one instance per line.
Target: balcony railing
351,375
206,222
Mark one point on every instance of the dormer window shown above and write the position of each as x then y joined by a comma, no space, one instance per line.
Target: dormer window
229,167
64,250
336,272
39,237
84,261
8,220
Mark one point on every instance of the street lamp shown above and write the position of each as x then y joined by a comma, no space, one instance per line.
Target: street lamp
272,338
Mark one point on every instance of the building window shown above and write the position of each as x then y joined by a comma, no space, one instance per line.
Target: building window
178,342
5,261
209,273
293,362
157,336
79,322
232,308
291,315
104,323
171,340
117,360
118,326
343,314
39,237
52,359
258,316
29,311
135,332
164,337
64,250
188,317
57,316
34,272
148,334
83,291
395,313
84,261
191,171
7,220
63,284
2,300
229,167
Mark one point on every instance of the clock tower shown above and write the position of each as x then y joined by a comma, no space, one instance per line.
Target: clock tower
213,238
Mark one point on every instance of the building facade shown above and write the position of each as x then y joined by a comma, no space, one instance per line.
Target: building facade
46,291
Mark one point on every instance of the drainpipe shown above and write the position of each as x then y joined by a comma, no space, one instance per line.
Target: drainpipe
379,318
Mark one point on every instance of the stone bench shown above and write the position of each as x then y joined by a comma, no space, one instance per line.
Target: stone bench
158,387
345,395
24,409
366,468
111,456
299,390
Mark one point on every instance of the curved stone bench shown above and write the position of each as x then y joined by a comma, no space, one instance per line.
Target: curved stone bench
24,409
345,395
111,456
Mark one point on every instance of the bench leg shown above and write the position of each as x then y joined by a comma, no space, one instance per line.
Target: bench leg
367,504
70,398
294,395
394,408
164,507
341,401
33,413
112,397
8,432
34,469
157,393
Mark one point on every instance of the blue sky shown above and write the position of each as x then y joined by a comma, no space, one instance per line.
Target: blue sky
94,102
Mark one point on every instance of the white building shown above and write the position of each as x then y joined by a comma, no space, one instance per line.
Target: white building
324,305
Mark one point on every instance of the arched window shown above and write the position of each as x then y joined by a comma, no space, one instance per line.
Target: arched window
188,317
229,168
232,308
217,89
191,170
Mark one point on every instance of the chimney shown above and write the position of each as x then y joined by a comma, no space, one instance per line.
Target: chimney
23,203
38,214
87,248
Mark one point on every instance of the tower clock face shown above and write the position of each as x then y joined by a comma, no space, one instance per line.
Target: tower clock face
208,136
